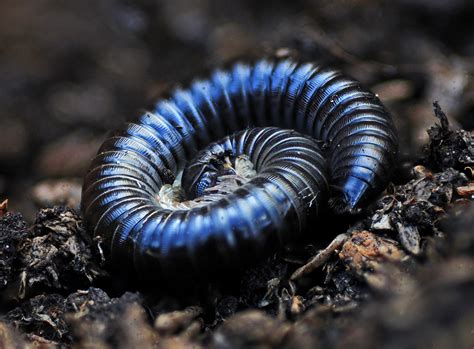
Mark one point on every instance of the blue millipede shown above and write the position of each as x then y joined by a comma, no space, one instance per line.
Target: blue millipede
279,139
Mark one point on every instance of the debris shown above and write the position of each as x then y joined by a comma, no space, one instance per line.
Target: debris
466,191
259,284
13,231
321,258
416,207
374,258
100,321
363,250
3,207
42,315
409,237
57,254
447,148
401,273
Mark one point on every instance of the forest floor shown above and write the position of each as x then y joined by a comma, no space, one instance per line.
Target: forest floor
399,275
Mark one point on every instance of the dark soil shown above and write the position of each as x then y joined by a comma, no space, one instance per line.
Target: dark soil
402,272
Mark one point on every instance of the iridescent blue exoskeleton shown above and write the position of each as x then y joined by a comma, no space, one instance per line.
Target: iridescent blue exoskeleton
331,133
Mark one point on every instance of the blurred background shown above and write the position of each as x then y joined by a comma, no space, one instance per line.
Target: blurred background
70,71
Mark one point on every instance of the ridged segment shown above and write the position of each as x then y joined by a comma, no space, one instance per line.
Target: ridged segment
120,192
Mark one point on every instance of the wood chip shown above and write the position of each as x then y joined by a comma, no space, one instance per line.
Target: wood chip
466,191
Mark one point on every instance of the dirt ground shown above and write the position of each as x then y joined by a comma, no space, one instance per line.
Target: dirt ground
401,275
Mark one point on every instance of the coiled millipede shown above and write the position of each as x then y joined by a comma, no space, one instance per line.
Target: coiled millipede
249,192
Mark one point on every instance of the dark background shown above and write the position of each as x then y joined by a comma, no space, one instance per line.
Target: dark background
72,70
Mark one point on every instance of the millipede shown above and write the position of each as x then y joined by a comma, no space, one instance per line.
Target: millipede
235,166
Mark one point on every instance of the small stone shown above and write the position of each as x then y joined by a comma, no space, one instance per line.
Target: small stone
381,222
421,171
297,305
58,192
409,237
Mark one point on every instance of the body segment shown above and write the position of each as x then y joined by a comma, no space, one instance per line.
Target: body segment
327,109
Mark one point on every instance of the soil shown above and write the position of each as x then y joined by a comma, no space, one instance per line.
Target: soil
399,275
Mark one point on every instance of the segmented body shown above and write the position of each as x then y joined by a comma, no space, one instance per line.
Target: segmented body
120,199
